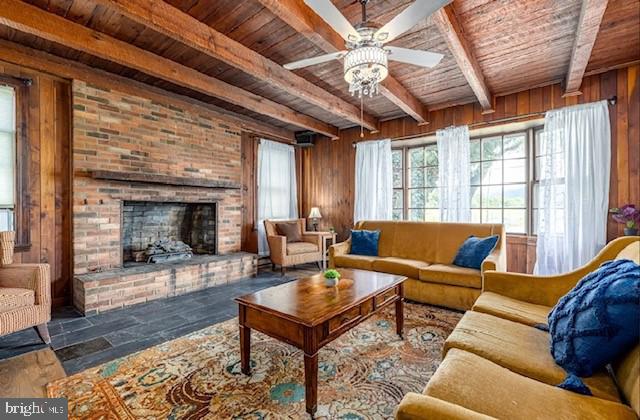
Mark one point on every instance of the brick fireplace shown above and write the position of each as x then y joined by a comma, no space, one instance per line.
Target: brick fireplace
145,222
145,171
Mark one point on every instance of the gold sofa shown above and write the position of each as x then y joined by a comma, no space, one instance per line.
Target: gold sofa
424,252
286,254
497,365
25,294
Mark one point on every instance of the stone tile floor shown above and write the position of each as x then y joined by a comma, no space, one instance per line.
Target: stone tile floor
83,342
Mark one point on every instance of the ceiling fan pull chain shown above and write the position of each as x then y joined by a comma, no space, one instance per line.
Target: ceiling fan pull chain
361,117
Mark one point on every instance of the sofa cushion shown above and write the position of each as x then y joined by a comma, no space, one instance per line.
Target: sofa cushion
474,250
452,275
13,298
363,262
480,385
512,309
296,248
519,348
365,242
387,230
597,321
399,266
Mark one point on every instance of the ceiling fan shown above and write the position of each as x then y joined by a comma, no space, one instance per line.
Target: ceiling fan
365,59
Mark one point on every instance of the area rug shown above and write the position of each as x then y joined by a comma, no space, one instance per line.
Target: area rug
362,375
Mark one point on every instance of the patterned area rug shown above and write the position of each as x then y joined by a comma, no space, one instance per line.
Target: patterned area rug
363,374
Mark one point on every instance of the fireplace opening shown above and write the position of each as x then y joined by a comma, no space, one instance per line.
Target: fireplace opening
160,232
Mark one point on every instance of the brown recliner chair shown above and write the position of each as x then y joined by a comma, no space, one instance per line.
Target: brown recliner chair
25,293
286,254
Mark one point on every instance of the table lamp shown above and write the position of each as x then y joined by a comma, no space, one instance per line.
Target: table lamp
314,215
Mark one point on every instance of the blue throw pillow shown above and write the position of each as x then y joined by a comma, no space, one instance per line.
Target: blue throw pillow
474,250
365,242
597,321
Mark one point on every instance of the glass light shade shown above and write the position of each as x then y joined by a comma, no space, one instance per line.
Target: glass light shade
315,213
365,68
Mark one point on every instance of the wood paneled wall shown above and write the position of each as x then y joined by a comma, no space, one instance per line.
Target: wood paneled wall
328,167
49,123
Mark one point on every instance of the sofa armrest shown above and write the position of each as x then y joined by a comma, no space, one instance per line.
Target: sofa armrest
277,248
495,261
335,250
417,406
547,290
36,277
539,290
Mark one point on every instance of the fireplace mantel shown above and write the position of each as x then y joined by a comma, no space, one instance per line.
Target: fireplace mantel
163,179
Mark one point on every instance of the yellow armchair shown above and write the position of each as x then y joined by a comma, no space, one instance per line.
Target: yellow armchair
286,254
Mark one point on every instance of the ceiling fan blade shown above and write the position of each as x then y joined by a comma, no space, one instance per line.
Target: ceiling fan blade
314,60
330,14
408,18
415,57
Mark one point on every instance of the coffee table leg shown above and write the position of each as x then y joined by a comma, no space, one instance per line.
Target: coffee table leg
311,382
399,317
245,350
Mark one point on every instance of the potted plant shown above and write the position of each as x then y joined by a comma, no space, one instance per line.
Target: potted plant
331,278
629,215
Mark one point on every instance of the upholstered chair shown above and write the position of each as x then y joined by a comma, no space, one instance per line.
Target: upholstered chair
25,293
285,252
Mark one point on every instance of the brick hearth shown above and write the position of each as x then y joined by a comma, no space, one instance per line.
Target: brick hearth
119,133
97,292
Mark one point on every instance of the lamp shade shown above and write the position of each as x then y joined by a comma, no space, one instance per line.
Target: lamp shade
315,213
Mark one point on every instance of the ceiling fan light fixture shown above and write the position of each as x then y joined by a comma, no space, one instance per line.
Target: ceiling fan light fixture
364,68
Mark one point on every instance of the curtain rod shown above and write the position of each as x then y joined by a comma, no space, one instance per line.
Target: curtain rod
611,101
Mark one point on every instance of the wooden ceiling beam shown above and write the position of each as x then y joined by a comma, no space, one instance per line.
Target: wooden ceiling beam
451,30
182,27
591,15
304,20
35,21
41,61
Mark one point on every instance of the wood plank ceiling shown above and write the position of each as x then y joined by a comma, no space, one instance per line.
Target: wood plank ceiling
517,44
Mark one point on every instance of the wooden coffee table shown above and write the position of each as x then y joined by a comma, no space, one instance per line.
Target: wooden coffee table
308,315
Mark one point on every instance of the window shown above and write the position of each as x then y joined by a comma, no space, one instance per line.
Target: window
501,181
14,160
398,183
422,188
540,174
7,157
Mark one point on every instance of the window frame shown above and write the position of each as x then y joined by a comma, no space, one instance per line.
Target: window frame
529,183
22,208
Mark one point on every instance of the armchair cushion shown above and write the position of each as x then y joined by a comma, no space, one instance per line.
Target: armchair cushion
291,230
512,309
474,250
13,298
297,248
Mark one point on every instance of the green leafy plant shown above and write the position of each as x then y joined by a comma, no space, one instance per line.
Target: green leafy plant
332,274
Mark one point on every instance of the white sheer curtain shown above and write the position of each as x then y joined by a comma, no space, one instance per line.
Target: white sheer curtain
454,174
374,181
277,194
574,187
